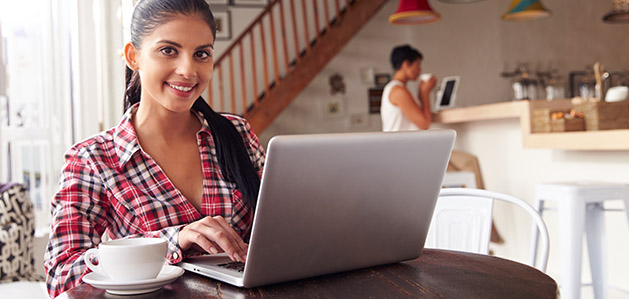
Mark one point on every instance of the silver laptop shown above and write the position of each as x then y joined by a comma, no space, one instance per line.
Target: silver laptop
337,202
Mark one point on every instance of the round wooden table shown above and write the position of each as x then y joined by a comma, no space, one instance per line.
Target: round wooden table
435,274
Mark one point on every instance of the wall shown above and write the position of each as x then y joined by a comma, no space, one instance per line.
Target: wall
470,40
240,19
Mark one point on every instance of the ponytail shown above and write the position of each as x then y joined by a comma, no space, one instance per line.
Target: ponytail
232,153
132,89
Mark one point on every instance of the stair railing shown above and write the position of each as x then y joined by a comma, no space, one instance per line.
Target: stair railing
276,27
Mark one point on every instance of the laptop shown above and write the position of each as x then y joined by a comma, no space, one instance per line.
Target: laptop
447,94
330,203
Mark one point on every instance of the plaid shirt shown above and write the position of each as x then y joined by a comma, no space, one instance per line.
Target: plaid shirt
109,183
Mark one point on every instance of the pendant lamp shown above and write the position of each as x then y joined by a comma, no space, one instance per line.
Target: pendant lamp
619,13
526,10
411,12
460,1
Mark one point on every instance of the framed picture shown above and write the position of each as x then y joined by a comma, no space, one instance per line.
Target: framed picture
217,2
251,2
333,107
375,98
382,79
358,120
223,25
367,75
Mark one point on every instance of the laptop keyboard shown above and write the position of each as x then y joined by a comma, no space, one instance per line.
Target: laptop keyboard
236,266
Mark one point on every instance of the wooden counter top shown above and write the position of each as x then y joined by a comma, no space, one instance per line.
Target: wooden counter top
483,112
584,140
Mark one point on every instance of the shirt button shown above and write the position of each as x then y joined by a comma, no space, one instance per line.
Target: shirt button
175,256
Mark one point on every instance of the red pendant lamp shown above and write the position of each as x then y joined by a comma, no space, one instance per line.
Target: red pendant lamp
619,13
411,12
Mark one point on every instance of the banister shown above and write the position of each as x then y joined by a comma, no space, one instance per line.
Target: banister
249,28
261,94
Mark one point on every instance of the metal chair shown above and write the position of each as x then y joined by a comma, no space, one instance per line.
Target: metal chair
462,221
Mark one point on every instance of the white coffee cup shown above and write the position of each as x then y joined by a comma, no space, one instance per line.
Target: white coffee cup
617,94
425,77
128,259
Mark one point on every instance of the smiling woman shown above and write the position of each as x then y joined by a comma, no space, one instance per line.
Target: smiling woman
172,168
174,65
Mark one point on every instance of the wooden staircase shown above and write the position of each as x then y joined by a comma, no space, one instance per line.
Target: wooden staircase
280,52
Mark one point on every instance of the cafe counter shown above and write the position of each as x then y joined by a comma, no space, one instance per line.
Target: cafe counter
523,111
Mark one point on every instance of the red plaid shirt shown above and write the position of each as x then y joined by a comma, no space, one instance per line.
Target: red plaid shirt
109,183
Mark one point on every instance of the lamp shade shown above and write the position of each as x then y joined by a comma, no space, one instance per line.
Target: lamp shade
410,12
526,10
619,13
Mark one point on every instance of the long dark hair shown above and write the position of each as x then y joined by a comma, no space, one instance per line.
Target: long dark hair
230,148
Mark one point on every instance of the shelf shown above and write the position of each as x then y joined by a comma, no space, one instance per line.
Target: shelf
585,140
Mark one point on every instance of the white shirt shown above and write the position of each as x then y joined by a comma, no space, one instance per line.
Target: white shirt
391,115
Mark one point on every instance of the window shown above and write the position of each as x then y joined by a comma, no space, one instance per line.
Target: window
35,97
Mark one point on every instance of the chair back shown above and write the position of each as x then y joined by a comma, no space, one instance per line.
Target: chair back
459,223
462,225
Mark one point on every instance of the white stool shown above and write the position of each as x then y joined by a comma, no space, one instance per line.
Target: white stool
580,210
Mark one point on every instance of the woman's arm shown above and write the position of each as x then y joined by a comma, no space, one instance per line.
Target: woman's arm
79,212
425,88
402,98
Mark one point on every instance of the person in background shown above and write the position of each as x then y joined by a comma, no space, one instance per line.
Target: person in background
172,168
400,110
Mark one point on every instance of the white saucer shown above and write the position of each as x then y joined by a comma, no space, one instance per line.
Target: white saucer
168,274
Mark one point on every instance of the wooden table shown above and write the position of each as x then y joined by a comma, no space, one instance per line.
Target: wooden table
435,274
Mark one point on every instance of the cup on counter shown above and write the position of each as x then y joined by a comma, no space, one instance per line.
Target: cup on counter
128,259
617,94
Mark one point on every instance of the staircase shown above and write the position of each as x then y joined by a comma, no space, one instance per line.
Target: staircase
280,52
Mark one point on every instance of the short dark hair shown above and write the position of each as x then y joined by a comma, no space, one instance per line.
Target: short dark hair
404,53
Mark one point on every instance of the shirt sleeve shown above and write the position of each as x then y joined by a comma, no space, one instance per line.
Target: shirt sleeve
79,219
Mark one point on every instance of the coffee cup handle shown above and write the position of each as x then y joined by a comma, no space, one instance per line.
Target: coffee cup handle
88,261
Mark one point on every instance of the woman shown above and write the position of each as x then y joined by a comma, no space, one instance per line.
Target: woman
172,168
399,109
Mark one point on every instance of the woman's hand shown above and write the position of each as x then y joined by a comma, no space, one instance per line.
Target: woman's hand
213,235
427,86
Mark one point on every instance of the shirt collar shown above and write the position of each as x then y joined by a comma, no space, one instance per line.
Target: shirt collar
126,141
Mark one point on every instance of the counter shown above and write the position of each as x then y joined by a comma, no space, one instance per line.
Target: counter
584,140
